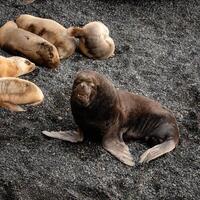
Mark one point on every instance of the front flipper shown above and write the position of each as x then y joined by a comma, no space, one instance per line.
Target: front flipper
157,151
71,136
118,149
11,107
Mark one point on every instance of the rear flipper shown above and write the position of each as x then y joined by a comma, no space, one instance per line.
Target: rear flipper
157,151
118,149
71,136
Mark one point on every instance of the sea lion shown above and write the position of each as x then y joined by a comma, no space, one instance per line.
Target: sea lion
15,92
98,107
19,41
51,31
94,40
15,66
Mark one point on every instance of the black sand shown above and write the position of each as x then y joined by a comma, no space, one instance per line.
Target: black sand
157,55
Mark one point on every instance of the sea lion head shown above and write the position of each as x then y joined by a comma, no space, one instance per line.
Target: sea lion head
85,88
24,65
91,89
96,28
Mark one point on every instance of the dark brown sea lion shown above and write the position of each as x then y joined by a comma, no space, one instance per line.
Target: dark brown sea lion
15,92
98,107
19,41
94,40
15,66
51,31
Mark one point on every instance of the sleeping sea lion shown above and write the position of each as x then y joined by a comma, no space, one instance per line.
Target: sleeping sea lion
51,31
99,108
19,41
15,66
94,40
15,92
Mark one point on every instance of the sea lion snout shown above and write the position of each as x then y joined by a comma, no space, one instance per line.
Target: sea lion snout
83,99
28,66
82,93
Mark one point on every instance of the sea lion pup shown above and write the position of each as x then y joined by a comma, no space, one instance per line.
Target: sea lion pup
15,66
94,40
51,31
15,92
98,107
19,41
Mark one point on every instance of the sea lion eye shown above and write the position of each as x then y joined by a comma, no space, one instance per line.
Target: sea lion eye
92,85
27,62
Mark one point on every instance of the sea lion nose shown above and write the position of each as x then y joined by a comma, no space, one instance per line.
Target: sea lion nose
83,85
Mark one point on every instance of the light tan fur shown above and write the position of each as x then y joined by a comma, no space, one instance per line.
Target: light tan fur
95,41
37,49
15,92
51,31
15,66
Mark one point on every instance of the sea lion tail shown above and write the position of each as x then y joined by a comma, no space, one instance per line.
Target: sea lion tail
77,32
157,151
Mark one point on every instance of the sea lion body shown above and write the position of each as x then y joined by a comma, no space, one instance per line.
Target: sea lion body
19,41
118,114
15,66
15,92
99,108
51,31
94,40
146,119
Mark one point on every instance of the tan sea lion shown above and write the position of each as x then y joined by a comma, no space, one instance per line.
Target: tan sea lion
15,92
51,31
15,66
32,46
99,108
94,40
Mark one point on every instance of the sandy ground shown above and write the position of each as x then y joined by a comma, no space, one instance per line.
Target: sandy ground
157,55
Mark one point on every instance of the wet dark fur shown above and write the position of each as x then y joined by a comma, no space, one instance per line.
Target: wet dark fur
124,114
